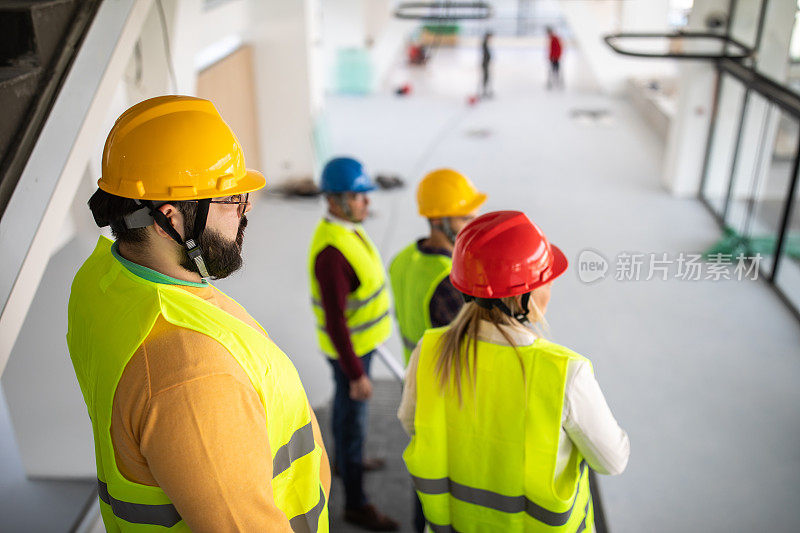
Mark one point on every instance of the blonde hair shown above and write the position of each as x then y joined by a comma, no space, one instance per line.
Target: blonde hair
461,338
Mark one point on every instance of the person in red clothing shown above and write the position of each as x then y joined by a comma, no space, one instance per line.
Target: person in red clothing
554,55
351,307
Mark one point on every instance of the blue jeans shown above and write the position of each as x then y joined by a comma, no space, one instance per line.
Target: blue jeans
349,431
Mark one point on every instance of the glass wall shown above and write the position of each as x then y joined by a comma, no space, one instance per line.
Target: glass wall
679,13
793,73
724,138
744,23
749,163
777,36
758,213
752,158
787,276
794,44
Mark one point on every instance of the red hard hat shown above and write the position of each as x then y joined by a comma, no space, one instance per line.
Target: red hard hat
502,254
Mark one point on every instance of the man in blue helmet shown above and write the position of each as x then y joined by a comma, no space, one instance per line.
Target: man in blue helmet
351,306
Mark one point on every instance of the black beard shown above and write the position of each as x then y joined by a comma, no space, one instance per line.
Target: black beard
222,257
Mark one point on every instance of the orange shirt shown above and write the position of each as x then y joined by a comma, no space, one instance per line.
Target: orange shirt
187,419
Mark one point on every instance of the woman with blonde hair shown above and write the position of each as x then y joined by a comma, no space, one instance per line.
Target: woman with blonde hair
502,421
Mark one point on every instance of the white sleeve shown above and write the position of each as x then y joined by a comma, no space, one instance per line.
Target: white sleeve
408,402
590,424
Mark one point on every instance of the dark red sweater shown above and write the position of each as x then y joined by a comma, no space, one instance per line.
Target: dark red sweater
336,280
555,48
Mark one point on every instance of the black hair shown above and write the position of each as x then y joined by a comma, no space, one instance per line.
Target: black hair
109,209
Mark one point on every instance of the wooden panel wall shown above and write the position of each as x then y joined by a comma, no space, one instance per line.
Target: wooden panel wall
229,83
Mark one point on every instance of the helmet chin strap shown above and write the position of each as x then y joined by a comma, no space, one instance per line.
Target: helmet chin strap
489,303
192,244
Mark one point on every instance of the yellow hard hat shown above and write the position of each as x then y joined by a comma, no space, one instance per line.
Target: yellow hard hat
447,193
173,148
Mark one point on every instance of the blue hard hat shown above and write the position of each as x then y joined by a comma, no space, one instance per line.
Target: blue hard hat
345,174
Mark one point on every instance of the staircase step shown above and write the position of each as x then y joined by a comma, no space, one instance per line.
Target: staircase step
18,85
29,5
33,27
38,41
9,75
16,35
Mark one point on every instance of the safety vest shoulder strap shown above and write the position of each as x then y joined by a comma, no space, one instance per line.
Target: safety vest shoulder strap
551,349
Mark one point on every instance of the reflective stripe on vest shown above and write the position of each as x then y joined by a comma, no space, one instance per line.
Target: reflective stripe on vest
502,474
301,443
361,327
415,276
307,522
353,303
449,529
495,501
139,513
111,312
582,525
367,308
409,345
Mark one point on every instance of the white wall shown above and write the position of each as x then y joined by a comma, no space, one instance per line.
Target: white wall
389,44
343,25
685,153
647,16
46,408
282,46
590,21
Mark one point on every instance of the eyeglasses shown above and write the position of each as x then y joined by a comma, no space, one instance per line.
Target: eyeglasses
240,199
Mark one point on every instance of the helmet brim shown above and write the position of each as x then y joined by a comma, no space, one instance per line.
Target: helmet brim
461,211
363,188
560,263
362,183
253,180
472,206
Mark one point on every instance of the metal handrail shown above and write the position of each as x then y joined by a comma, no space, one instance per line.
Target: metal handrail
746,51
447,11
391,363
772,91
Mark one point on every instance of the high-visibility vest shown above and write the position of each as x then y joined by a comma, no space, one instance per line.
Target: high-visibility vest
111,312
489,464
367,312
415,276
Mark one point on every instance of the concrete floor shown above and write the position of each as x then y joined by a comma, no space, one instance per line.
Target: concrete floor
35,505
701,374
389,489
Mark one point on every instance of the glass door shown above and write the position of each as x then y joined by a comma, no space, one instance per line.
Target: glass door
787,273
758,210
723,142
